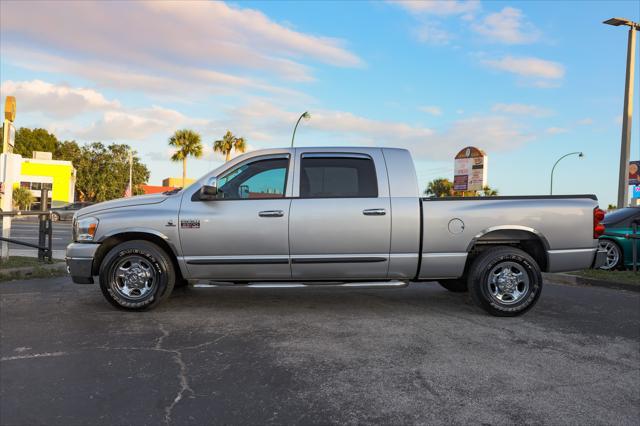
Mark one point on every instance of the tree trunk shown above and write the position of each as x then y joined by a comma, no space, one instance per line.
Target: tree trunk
184,171
228,157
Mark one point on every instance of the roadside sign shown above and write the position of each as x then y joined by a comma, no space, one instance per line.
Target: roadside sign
636,191
634,172
470,170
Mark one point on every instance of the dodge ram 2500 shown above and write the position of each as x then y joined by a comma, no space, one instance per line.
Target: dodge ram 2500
343,217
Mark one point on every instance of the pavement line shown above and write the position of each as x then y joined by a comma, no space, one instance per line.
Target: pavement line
40,355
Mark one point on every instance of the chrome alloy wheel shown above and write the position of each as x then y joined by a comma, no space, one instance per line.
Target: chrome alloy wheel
133,277
613,254
508,283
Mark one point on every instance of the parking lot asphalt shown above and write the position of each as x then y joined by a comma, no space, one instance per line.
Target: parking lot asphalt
320,356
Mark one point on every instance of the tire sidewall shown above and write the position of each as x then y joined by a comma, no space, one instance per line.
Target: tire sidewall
481,289
157,259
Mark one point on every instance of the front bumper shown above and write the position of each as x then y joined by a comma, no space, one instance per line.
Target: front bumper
599,259
79,260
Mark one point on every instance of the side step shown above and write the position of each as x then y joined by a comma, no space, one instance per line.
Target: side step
285,284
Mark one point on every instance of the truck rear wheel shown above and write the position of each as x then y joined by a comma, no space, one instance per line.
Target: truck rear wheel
136,275
456,286
505,281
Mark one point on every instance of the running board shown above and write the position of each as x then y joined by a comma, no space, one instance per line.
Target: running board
354,284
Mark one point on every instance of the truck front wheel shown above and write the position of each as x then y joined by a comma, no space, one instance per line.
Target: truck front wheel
505,281
136,275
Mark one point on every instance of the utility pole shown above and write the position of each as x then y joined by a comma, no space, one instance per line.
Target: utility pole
625,144
8,165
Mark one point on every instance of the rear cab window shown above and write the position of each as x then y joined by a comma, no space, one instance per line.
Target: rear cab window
338,176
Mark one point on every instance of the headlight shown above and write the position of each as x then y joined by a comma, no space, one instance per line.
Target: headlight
85,229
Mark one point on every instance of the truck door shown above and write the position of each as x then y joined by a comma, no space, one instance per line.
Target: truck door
340,220
244,233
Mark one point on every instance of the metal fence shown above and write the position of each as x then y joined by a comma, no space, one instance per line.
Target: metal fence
45,229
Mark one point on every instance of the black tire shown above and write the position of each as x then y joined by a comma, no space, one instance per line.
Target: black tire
518,266
150,261
55,217
458,285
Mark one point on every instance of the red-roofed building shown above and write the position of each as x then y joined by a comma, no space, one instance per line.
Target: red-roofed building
156,189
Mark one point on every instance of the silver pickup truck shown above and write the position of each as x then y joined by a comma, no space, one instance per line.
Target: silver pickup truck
343,217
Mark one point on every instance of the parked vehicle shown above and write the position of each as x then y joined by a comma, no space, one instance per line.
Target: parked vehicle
344,217
619,249
67,212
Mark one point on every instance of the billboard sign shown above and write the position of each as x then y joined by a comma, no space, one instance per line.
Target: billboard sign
636,191
470,170
634,172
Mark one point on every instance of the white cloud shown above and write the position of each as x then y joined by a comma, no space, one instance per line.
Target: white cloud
521,109
544,73
489,133
507,26
432,33
431,109
439,7
585,121
556,130
168,42
55,100
136,124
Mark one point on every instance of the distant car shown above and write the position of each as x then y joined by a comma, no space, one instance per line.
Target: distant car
619,249
67,212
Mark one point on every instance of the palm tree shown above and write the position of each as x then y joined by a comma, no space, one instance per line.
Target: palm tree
229,143
440,187
188,144
22,198
487,191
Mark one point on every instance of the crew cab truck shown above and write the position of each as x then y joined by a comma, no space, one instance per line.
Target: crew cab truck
343,217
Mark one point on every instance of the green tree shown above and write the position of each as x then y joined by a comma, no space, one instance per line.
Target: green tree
67,150
29,140
188,144
102,172
22,198
229,143
487,191
440,187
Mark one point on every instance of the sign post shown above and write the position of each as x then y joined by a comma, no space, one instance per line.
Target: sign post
470,170
8,175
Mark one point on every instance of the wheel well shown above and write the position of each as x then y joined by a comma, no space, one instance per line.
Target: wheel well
114,240
526,241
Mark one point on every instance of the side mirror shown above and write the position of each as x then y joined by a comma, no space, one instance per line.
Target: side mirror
209,190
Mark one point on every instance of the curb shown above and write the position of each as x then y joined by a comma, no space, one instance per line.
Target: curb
589,282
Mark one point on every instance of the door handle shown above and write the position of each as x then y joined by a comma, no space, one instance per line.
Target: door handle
374,212
271,213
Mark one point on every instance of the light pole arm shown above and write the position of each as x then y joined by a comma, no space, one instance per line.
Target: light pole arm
554,168
296,127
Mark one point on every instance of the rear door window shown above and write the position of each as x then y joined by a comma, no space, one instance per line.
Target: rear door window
338,177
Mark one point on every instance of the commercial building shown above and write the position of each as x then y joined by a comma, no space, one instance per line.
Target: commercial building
177,182
41,171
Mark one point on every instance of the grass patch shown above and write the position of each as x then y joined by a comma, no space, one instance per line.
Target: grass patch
627,277
34,268
37,272
22,261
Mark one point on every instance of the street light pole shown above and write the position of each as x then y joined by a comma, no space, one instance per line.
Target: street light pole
578,153
304,115
625,144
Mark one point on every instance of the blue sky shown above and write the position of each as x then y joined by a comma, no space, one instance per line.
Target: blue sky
525,81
